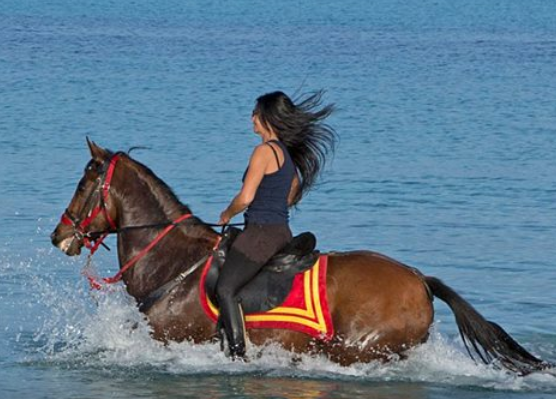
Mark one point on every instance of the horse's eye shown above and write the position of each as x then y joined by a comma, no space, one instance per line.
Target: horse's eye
93,166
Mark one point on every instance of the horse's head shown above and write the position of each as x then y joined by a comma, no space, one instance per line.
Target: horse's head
90,209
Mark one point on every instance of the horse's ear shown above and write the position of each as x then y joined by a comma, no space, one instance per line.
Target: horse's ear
97,153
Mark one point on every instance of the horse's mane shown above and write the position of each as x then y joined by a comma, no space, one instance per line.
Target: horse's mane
168,200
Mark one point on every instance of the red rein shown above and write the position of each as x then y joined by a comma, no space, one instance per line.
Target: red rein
93,245
118,276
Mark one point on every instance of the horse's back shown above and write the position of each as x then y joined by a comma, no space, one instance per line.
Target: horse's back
373,270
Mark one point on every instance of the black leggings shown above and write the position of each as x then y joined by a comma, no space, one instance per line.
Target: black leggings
249,252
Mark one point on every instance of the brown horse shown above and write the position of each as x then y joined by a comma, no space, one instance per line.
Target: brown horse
379,306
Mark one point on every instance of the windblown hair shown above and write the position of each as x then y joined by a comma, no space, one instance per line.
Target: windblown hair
300,126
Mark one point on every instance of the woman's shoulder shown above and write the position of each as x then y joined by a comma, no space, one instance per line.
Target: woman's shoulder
261,153
263,149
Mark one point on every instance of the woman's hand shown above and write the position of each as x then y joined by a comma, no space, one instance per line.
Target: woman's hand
224,218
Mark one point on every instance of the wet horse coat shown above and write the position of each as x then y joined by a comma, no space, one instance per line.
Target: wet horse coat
379,306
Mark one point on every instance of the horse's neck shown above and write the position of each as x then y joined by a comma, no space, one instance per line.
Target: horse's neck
143,200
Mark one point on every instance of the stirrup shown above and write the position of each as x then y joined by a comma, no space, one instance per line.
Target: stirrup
237,353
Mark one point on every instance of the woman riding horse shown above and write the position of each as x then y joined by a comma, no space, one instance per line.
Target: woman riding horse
378,306
281,170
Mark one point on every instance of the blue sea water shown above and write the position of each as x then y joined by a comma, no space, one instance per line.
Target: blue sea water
446,162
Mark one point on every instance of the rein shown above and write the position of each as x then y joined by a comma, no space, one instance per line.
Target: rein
93,235
118,276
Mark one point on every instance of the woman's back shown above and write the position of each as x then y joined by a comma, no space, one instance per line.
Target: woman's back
270,205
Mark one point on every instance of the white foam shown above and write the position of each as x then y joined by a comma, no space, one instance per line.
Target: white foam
106,330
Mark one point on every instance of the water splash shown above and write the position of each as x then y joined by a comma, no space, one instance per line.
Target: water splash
80,329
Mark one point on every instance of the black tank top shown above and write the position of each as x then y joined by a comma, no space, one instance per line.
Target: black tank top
270,205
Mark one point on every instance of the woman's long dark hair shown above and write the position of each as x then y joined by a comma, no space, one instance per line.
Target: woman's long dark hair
301,128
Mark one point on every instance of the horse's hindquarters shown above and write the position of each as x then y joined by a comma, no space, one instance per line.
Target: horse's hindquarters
379,307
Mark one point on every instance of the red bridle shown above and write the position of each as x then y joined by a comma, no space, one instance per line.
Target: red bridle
79,226
92,243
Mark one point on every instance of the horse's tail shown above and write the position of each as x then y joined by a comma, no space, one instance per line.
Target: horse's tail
483,338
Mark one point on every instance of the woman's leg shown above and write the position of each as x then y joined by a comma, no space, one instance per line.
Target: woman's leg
248,254
236,272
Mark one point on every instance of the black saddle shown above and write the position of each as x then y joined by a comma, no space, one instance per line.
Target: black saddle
271,286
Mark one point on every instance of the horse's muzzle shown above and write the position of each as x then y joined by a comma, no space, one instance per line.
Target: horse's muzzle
65,239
